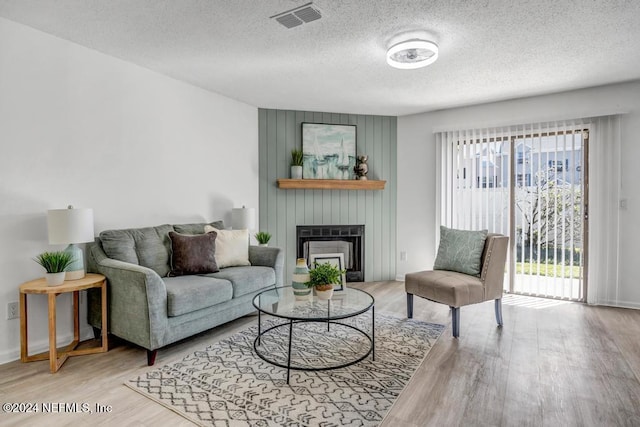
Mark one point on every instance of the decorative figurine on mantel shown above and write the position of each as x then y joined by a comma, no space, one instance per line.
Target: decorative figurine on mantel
361,167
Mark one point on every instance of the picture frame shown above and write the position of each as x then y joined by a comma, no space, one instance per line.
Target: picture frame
329,151
334,259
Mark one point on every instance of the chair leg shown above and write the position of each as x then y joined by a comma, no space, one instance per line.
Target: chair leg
499,311
455,321
410,306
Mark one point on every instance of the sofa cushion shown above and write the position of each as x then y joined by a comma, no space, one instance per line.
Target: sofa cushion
197,228
232,247
190,293
192,254
246,280
148,247
460,250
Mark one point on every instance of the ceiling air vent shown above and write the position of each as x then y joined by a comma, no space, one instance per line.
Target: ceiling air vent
299,15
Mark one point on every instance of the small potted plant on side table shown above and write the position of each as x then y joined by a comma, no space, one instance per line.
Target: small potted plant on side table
55,263
263,238
323,277
296,164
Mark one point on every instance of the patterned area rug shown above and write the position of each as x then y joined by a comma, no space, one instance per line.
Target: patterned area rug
227,384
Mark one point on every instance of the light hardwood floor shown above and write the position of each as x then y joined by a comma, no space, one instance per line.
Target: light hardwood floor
552,364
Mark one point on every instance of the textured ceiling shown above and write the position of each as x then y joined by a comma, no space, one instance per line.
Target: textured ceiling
489,49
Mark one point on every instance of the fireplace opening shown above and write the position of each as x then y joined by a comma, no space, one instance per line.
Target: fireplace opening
345,239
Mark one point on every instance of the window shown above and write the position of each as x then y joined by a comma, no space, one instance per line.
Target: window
558,165
524,180
487,182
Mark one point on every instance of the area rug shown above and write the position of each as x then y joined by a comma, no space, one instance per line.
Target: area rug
227,384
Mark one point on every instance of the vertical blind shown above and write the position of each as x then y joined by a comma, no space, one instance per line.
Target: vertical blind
526,182
473,189
604,214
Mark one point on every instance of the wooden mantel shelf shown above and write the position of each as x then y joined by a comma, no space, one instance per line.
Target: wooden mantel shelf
330,184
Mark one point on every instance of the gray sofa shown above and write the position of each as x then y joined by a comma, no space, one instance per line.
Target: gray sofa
150,309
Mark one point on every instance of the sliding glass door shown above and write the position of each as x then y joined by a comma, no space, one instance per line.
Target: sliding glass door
530,185
548,214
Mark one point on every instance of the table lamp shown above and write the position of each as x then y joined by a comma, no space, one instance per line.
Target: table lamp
71,226
243,218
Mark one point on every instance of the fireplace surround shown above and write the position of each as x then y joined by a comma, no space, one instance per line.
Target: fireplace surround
348,237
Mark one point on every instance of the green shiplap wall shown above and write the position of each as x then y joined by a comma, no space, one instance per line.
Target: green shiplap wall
280,131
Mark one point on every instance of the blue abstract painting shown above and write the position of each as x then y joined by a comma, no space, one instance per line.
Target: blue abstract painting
329,151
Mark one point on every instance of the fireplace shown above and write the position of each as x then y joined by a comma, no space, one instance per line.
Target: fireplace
345,239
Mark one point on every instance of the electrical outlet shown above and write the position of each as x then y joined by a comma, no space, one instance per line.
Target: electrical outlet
403,256
623,204
13,310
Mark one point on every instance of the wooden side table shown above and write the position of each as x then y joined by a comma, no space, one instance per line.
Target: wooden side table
58,356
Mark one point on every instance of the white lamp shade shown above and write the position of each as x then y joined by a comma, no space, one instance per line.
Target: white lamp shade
70,226
243,218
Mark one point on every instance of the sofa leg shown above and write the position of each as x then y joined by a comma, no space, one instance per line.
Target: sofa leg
410,306
151,357
97,332
455,321
499,311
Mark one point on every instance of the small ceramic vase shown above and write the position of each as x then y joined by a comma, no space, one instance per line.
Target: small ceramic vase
361,167
300,278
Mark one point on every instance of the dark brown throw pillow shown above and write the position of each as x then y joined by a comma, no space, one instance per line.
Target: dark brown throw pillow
192,254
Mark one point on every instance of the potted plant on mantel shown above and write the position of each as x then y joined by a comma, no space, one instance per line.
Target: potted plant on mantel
263,238
296,164
323,277
55,263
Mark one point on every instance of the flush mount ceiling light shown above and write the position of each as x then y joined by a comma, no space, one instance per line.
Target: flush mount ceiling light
412,54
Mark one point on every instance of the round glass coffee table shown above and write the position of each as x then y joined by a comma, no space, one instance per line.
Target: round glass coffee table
327,334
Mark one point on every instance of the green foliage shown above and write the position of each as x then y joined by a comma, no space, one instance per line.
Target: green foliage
54,262
262,237
548,270
296,157
550,213
325,273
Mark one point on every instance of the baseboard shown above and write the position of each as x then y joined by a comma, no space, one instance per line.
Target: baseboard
400,278
619,304
40,346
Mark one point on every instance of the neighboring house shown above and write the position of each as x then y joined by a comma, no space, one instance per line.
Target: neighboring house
537,162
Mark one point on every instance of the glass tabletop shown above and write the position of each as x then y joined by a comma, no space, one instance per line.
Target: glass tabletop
281,302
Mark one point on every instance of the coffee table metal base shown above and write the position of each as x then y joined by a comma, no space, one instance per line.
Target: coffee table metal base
292,322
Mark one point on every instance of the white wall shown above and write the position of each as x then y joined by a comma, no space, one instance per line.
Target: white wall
417,157
141,149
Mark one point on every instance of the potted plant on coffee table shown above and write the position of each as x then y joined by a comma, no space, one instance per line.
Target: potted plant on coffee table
55,263
323,277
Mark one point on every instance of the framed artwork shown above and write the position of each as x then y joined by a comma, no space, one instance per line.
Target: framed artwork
329,151
333,259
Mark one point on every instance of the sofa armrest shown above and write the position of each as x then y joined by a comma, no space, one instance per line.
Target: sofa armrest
267,256
137,299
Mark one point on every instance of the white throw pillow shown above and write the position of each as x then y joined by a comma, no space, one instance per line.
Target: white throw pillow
232,247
